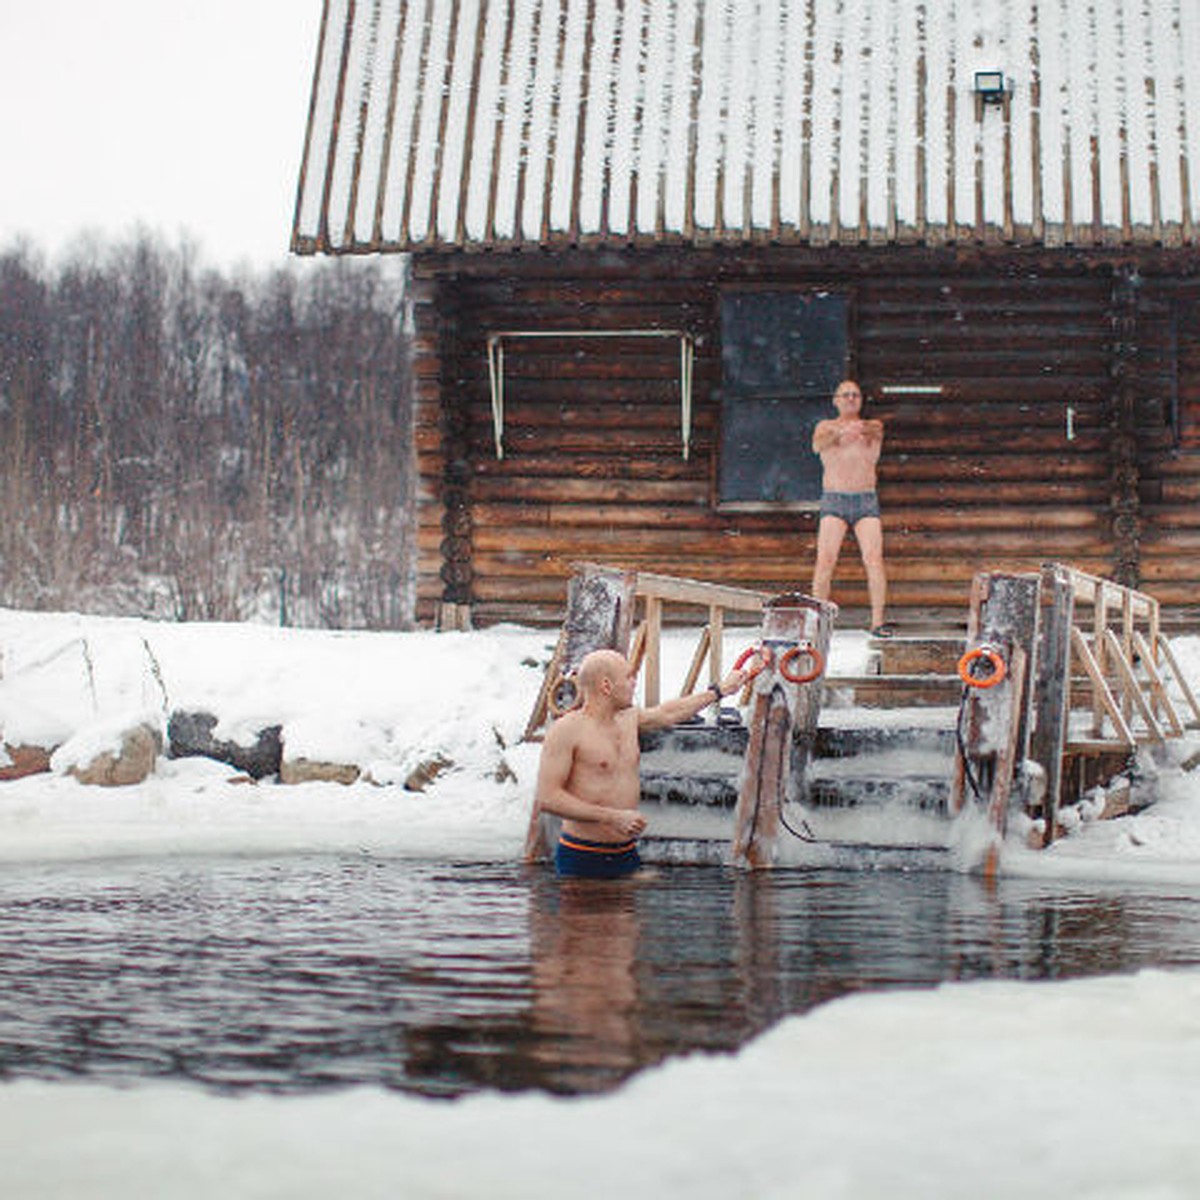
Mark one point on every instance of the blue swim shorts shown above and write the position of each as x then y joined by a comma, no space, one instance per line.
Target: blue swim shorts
581,859
851,507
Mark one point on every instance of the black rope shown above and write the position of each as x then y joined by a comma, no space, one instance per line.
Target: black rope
804,833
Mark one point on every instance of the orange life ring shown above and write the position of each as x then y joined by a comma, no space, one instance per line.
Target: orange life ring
798,651
764,654
968,660
561,683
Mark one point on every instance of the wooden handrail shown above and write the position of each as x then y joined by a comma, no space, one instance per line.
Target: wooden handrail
718,598
645,650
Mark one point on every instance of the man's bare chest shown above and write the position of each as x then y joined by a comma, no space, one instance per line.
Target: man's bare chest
607,750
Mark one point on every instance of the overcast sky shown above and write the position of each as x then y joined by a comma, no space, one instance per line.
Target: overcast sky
182,116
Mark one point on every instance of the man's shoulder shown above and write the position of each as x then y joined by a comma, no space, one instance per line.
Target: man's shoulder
568,725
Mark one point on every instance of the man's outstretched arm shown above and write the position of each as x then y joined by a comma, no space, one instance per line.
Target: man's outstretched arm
671,712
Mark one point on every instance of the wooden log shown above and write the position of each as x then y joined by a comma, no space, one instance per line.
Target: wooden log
995,720
783,723
1052,690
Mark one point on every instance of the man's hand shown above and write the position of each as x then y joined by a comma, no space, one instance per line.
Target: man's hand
627,822
734,681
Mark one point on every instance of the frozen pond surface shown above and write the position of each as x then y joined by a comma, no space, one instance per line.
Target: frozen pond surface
295,973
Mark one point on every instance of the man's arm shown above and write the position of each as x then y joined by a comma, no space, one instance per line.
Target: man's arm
824,436
558,756
671,712
873,431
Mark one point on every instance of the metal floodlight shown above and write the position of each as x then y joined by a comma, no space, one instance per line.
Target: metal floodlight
990,86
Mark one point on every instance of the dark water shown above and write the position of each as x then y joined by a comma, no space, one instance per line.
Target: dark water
444,979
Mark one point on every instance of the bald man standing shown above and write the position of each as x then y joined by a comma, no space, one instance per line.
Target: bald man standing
589,766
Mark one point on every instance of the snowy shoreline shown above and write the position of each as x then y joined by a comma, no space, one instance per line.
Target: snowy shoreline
387,701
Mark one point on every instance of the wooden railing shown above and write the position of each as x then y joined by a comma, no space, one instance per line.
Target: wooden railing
655,591
601,607
1122,652
1078,688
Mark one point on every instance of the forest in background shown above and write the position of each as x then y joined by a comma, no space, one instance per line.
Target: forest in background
182,444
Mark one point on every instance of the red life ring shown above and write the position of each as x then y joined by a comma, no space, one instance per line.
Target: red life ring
968,660
799,651
764,654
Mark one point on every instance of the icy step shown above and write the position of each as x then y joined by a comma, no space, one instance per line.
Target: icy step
919,655
851,741
891,691
908,762
694,764
925,793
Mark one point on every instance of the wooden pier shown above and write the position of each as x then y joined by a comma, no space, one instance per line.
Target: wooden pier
1037,709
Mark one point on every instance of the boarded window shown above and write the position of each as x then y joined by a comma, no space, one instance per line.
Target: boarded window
782,356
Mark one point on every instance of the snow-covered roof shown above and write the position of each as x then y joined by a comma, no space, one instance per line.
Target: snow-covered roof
481,123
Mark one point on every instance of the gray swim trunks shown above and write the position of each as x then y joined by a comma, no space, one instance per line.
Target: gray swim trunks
851,507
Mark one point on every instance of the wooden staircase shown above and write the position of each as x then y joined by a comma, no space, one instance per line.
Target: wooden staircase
891,758
883,752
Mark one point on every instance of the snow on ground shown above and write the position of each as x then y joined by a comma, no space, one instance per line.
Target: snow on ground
1077,1089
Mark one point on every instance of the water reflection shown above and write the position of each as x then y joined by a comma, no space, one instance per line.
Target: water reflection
584,1010
445,979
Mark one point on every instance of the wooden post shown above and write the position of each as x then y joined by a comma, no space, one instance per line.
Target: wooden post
783,725
1052,689
716,637
1099,625
652,680
994,722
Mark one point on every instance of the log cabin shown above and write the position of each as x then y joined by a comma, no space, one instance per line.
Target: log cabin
647,238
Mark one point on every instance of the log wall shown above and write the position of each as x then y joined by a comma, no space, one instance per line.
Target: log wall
1051,438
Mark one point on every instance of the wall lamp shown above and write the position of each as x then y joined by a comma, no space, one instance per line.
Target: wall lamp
990,86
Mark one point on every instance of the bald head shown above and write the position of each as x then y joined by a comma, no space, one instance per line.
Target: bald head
600,665
606,679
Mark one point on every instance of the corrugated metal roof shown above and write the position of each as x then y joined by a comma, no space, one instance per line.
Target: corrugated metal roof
488,123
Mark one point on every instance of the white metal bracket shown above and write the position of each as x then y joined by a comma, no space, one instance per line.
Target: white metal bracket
495,355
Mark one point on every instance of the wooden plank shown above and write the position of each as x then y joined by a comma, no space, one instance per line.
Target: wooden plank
652,677
995,722
703,648
1157,686
1052,698
761,794
1103,696
691,591
1168,657
541,706
1008,756
1130,687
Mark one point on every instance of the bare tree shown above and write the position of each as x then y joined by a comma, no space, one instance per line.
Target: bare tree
181,443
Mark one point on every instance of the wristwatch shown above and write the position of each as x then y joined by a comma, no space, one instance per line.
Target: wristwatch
718,695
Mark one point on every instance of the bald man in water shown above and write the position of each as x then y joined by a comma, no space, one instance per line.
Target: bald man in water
849,448
589,766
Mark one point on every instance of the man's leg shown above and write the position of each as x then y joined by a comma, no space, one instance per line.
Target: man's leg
830,533
869,532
